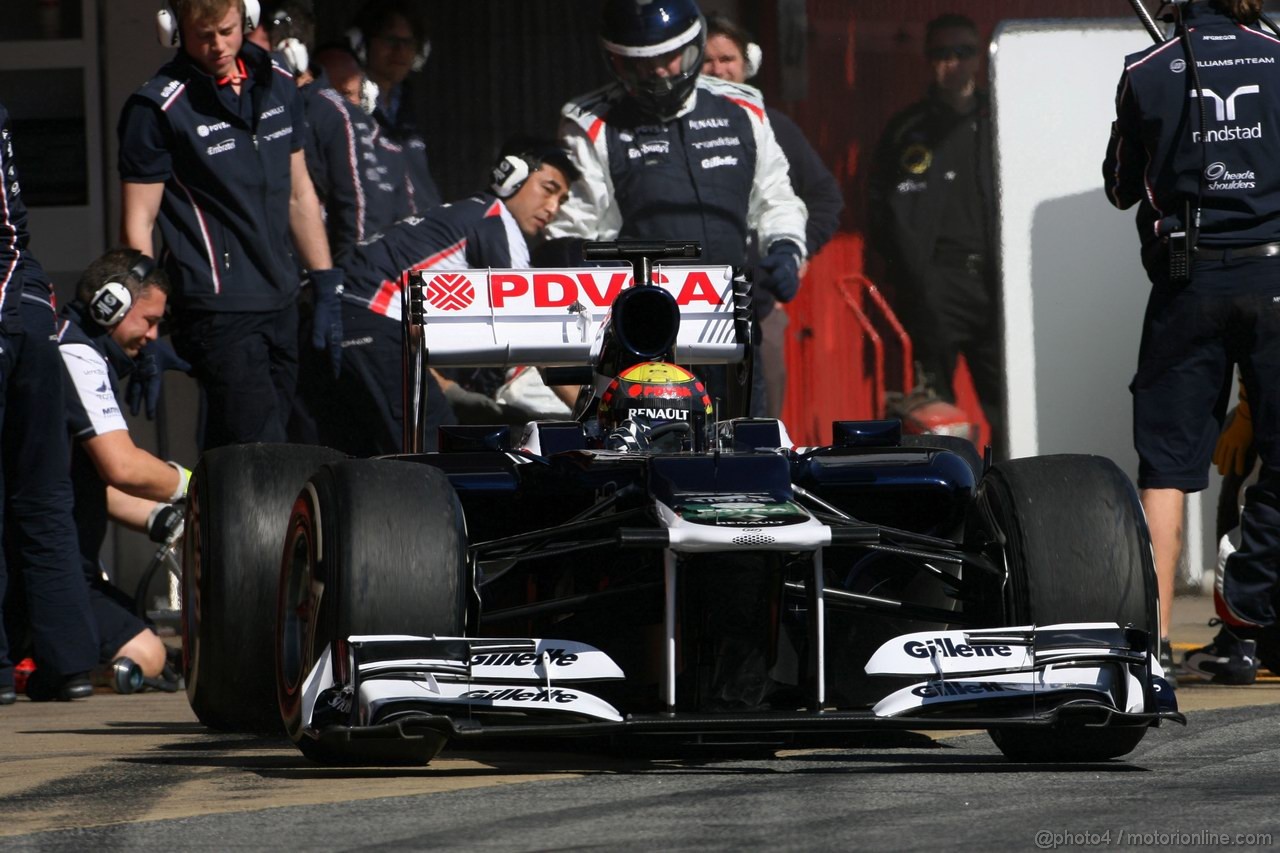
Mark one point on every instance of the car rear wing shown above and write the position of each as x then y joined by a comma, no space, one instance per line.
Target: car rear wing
550,317
553,318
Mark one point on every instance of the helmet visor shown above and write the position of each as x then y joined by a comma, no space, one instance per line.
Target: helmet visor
655,73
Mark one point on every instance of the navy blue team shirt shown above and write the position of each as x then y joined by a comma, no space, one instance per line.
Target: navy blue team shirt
1156,157
225,164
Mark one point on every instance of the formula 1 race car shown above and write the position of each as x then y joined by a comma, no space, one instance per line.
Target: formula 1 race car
649,568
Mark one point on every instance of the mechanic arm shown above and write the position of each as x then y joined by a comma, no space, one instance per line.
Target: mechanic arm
139,207
812,181
128,510
591,212
335,163
132,470
774,210
305,220
160,521
824,202
1126,161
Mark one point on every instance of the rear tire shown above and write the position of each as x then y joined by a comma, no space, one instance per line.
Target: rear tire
238,506
1078,550
374,547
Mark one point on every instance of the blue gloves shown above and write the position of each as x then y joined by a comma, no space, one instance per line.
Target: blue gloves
326,332
147,379
779,271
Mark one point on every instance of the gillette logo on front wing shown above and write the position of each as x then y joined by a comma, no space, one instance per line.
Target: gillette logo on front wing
944,647
952,652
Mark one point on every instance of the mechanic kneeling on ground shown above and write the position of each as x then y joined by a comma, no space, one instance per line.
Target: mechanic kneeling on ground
487,230
103,334
1211,247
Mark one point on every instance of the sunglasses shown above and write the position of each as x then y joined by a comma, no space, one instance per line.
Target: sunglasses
953,51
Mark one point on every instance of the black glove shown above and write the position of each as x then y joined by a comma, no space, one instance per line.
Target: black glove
165,523
326,332
779,271
147,379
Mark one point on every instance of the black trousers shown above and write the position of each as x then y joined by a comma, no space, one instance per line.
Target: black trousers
361,413
54,619
956,311
247,367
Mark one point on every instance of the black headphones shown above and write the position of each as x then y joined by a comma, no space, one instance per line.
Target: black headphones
112,300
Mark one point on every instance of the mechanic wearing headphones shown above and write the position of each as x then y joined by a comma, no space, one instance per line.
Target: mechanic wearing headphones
1202,170
485,230
212,149
119,304
390,40
39,532
733,56
357,173
667,153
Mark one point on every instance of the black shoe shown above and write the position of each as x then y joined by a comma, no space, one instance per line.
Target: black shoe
42,687
8,695
1227,660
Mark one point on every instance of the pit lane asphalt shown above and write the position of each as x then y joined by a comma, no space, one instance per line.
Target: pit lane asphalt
140,773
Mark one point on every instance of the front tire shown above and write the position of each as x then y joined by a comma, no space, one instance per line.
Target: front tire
373,547
1078,550
238,505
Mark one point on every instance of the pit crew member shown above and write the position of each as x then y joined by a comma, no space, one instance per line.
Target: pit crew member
667,153
733,56
390,39
357,173
486,230
1216,168
931,210
211,148
39,532
120,301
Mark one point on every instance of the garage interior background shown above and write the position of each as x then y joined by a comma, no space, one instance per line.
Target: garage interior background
840,68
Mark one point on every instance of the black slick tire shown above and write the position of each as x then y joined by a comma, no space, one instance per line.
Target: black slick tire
373,547
1078,550
238,505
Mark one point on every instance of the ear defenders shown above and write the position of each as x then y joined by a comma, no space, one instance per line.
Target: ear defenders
509,175
170,35
751,62
296,56
355,38
112,301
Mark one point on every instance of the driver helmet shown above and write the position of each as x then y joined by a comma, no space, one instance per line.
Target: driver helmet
654,48
654,405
